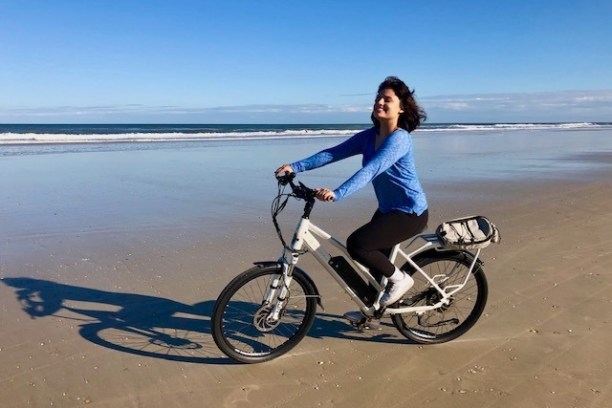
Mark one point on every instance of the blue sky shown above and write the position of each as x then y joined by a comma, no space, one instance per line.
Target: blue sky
305,61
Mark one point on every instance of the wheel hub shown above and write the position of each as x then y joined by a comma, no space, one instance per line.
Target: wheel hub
434,297
263,319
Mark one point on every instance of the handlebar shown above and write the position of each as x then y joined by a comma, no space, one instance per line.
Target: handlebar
299,190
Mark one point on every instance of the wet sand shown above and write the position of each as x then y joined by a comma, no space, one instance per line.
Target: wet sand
107,305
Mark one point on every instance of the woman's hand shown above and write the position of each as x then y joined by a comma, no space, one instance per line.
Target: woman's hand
282,170
324,194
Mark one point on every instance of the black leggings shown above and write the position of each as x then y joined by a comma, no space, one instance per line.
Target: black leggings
371,244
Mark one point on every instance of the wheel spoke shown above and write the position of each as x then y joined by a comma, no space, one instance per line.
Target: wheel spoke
240,320
448,321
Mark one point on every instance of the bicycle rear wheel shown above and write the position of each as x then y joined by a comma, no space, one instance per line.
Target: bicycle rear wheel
240,326
449,321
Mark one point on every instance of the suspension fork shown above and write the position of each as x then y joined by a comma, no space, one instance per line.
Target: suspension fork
278,291
273,287
279,284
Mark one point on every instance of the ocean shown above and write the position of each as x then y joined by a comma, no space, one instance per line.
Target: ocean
439,141
109,133
77,179
493,149
446,151
20,134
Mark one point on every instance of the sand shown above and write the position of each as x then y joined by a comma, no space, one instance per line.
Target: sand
82,312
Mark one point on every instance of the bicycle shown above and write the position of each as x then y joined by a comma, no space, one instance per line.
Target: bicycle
268,309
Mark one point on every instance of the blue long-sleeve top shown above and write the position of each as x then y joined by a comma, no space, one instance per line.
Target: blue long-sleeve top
391,169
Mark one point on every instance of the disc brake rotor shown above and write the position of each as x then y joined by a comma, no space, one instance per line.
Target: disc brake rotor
262,319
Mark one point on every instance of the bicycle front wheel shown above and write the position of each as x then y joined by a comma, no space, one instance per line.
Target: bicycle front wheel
241,325
448,321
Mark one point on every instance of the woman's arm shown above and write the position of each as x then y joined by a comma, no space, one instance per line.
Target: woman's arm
397,145
350,147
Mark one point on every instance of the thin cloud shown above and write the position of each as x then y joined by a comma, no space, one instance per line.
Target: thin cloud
539,106
521,101
177,110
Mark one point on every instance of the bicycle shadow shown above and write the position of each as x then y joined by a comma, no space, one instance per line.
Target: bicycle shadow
148,325
133,323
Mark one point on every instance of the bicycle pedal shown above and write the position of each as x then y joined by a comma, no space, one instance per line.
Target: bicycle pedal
369,324
361,322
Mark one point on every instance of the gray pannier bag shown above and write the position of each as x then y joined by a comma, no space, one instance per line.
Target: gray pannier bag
468,233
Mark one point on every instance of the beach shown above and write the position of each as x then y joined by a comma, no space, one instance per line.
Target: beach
111,259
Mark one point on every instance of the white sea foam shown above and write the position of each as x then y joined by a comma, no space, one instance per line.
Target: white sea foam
14,138
513,126
62,138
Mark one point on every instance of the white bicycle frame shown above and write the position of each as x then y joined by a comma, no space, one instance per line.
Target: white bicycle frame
307,236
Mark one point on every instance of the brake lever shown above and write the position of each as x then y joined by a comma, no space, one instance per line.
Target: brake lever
286,178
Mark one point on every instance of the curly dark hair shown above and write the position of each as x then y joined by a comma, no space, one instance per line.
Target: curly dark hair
413,114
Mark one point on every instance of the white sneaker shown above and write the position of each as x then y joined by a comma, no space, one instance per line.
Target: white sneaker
395,290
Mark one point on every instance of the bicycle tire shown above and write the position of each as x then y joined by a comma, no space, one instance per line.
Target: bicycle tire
448,322
233,319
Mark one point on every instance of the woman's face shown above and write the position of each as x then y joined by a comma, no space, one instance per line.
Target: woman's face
387,105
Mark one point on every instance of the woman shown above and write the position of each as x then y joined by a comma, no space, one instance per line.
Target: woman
388,162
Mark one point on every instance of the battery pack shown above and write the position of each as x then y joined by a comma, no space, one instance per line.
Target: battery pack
366,292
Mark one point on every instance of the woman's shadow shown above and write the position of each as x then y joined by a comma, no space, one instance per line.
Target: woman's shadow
133,323
148,325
